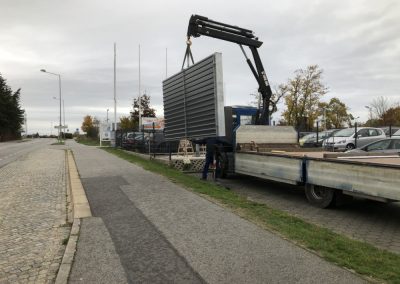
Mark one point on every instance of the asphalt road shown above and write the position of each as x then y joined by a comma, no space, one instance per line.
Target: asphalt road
11,151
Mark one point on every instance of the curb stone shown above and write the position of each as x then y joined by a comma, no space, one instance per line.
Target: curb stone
80,209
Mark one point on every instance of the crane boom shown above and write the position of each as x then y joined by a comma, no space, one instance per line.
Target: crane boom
199,25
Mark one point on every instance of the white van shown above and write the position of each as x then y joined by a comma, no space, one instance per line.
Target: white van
345,139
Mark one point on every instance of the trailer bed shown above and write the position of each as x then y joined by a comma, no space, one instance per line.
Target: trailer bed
374,176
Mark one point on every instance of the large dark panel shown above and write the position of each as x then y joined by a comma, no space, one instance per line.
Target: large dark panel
194,101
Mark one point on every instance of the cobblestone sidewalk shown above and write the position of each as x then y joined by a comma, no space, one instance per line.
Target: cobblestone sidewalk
33,217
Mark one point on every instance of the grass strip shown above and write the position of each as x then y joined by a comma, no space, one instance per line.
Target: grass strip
361,257
91,142
58,143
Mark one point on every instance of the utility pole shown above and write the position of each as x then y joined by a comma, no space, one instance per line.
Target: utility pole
59,85
115,87
140,97
64,118
26,125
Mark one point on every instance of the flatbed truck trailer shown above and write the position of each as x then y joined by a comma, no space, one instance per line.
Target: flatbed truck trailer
264,152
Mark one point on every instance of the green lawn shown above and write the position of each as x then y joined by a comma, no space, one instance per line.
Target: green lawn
91,141
361,257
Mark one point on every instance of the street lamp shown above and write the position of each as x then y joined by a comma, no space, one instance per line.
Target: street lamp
107,116
370,113
63,108
59,84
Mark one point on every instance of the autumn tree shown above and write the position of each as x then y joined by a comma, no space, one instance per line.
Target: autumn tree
382,112
127,123
90,125
146,110
302,95
11,114
392,116
336,114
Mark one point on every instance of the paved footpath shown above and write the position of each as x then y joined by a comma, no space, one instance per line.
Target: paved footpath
146,229
372,222
33,217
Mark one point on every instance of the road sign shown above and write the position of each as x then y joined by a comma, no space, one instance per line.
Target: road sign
62,126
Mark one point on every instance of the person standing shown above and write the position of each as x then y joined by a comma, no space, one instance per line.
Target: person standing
213,152
210,151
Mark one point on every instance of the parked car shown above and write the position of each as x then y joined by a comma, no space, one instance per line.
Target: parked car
133,140
345,139
397,133
302,134
389,145
393,130
310,140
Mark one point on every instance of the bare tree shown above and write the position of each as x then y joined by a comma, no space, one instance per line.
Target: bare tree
278,93
380,106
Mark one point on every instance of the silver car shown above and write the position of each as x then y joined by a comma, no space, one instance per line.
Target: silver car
397,133
345,139
390,145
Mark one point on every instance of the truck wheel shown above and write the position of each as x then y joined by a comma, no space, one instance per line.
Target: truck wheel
350,146
319,196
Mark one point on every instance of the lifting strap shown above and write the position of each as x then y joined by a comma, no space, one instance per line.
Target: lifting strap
188,54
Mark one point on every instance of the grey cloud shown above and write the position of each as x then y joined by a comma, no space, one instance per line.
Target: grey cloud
355,42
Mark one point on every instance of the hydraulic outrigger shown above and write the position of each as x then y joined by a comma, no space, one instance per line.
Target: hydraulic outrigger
199,25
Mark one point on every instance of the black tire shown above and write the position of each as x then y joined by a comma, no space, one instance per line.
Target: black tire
319,196
350,146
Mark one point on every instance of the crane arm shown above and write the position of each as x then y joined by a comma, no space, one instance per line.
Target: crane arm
199,25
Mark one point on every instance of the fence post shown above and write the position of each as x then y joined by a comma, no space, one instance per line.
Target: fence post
356,135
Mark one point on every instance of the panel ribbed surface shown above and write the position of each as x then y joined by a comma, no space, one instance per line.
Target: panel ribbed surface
190,101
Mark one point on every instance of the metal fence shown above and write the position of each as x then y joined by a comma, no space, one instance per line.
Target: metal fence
150,142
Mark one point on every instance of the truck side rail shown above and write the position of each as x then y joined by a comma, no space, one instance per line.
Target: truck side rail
355,176
367,177
270,166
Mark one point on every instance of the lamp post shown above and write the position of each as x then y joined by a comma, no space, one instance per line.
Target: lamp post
355,131
107,116
63,109
59,85
370,113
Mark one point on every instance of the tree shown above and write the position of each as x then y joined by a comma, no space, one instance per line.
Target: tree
337,114
392,116
146,110
127,123
11,114
385,113
90,126
302,95
278,93
380,106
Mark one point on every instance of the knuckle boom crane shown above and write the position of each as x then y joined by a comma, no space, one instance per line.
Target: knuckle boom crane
199,25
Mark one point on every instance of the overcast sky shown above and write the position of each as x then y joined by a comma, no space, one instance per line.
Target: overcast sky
356,43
